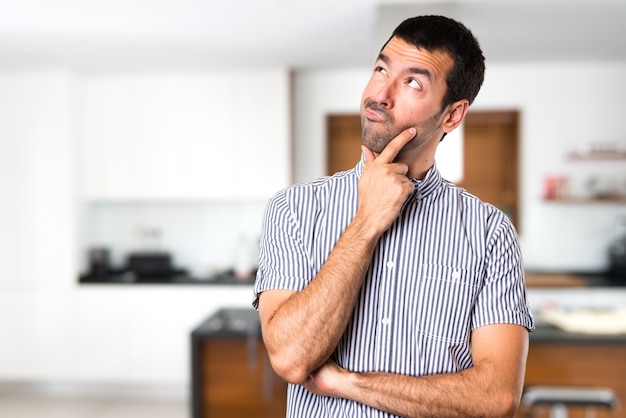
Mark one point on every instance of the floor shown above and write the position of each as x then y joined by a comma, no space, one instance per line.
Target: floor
21,403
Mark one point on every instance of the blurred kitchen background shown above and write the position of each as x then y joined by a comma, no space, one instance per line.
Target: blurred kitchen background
140,141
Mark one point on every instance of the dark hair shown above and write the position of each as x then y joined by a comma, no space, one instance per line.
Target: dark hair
439,33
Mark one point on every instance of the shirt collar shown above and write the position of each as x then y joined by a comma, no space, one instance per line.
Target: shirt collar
423,188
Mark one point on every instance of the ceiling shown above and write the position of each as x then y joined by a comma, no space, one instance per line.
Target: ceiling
123,35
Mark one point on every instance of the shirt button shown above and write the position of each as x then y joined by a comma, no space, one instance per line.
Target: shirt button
386,321
456,275
390,264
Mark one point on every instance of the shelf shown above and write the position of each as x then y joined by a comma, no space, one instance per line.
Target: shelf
597,156
588,200
554,280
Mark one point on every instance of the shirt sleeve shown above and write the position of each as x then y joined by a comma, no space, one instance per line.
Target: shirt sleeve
503,297
283,261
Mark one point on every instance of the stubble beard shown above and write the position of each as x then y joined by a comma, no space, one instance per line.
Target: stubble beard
376,135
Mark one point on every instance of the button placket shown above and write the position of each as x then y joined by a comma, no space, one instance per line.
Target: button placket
389,272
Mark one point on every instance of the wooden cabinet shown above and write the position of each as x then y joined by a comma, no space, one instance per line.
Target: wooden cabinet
217,135
237,381
231,373
577,360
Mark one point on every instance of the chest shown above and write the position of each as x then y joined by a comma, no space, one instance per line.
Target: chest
428,232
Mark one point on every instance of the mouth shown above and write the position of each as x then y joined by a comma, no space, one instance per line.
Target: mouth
374,114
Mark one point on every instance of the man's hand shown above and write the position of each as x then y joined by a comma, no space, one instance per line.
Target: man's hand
384,185
325,380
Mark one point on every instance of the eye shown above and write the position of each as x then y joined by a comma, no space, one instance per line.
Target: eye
413,83
381,70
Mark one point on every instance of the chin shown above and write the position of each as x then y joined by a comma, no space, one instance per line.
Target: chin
376,147
375,142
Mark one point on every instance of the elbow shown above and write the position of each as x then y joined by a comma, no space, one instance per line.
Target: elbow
505,406
289,369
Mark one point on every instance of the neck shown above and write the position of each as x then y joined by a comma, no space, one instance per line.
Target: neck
419,168
419,160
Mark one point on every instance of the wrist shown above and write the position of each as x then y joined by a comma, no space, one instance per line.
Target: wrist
351,387
365,228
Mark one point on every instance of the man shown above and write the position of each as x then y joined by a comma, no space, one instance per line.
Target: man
386,290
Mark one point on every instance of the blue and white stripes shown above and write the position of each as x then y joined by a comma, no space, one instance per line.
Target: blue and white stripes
450,263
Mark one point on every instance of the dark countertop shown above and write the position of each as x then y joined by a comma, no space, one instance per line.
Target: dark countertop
227,278
548,334
229,323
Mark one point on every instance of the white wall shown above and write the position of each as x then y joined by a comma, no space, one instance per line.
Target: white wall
317,94
562,107
202,237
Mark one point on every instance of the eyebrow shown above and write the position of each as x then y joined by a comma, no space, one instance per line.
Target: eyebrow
411,70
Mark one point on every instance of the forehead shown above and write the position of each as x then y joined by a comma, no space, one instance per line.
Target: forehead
404,57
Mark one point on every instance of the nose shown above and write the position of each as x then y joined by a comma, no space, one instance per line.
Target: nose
384,95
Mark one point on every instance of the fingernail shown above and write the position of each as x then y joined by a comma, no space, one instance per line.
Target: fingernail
412,131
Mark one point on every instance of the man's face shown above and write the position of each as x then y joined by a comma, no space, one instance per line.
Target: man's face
406,89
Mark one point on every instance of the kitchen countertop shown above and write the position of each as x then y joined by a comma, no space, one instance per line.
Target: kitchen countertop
545,333
244,322
229,323
540,280
227,278
569,280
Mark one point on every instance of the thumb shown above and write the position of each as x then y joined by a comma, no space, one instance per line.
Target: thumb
369,155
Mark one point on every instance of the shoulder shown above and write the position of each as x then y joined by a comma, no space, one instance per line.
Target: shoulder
476,209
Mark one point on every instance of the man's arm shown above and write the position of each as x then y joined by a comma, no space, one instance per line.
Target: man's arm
301,329
491,387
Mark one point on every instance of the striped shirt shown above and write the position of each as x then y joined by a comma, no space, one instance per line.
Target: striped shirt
450,263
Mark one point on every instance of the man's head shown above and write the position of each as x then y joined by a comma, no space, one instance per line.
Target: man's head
426,75
439,33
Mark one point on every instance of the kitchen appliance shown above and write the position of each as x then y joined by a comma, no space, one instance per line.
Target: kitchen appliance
152,267
99,264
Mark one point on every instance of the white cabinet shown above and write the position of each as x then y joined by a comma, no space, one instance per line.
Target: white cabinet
159,322
262,128
186,136
37,175
106,333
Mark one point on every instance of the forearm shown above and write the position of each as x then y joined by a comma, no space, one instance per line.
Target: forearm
491,387
302,332
464,394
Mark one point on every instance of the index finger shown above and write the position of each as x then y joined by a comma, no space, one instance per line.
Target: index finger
391,150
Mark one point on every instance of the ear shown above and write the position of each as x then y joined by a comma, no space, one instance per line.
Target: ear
455,115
